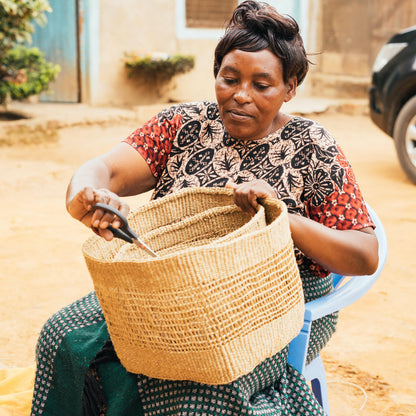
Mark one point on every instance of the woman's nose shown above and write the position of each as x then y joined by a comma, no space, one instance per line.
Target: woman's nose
242,94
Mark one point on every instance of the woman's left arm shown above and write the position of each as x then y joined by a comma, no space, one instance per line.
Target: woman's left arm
345,252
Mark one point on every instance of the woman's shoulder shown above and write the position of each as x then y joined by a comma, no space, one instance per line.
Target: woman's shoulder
190,110
310,132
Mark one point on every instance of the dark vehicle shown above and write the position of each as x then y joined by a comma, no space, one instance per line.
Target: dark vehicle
393,96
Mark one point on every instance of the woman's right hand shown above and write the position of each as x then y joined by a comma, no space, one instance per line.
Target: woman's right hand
121,171
80,207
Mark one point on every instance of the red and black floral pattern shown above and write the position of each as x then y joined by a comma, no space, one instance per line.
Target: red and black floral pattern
187,145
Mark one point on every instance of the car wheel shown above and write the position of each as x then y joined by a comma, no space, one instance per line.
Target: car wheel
405,138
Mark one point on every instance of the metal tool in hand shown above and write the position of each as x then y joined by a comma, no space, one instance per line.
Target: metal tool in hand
124,231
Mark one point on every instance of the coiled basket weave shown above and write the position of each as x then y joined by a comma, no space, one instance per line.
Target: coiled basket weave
224,295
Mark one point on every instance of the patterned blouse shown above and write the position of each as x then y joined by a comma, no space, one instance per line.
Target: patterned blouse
187,145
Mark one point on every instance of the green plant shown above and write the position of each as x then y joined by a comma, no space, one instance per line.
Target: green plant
158,66
31,73
17,19
23,71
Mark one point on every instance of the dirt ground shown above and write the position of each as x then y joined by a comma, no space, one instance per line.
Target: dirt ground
371,360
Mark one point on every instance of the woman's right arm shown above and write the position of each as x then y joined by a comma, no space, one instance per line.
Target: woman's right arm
120,172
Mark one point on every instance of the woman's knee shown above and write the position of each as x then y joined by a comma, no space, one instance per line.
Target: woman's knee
79,314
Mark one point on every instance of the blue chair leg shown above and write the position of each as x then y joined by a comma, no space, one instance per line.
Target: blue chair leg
315,373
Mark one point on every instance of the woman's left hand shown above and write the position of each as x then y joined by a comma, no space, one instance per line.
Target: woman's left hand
246,195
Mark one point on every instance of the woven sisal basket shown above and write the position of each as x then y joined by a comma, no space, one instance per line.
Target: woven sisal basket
224,295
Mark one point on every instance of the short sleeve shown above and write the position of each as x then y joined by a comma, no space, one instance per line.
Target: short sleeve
341,204
331,193
154,139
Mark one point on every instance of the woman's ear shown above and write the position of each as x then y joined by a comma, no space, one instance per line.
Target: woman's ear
291,88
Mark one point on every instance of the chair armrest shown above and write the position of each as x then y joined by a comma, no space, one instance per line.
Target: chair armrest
344,296
354,289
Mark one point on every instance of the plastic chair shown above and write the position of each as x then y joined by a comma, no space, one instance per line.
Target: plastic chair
342,296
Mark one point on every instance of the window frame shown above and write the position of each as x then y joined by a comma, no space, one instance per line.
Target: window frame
184,32
299,9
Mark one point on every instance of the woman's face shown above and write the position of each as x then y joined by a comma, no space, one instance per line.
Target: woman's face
250,91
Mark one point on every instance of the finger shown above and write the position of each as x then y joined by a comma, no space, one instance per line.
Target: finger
252,202
248,204
107,219
121,206
96,217
88,198
101,218
248,195
124,209
241,199
104,233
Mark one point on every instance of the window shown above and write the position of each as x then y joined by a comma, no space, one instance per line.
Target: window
209,14
202,19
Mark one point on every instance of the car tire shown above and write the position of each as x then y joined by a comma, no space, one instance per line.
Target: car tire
404,135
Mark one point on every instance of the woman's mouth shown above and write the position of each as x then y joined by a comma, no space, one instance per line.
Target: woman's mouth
239,115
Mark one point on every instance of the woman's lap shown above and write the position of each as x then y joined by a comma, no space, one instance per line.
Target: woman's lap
73,336
58,354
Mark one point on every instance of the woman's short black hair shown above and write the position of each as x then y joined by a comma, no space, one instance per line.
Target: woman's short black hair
255,26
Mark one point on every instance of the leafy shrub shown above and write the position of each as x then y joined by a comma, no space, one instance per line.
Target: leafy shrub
17,19
158,66
29,73
23,71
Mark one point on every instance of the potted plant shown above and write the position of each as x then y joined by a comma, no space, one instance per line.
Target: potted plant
158,67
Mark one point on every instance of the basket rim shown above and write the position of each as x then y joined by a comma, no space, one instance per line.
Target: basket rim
155,203
189,250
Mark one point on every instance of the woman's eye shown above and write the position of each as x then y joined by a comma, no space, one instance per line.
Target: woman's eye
230,81
261,86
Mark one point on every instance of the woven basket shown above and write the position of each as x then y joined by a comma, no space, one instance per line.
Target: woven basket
224,295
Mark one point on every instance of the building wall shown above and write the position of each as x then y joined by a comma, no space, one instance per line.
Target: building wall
158,26
145,27
342,38
101,32
130,26
347,37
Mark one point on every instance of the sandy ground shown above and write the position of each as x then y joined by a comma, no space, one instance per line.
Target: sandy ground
371,360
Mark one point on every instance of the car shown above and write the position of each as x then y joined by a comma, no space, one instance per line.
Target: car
392,96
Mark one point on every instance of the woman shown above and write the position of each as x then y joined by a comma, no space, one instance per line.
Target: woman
243,142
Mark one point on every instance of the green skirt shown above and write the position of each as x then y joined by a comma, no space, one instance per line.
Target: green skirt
73,339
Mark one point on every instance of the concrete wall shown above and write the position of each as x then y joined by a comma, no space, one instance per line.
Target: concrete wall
342,38
144,27
130,26
347,35
158,26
